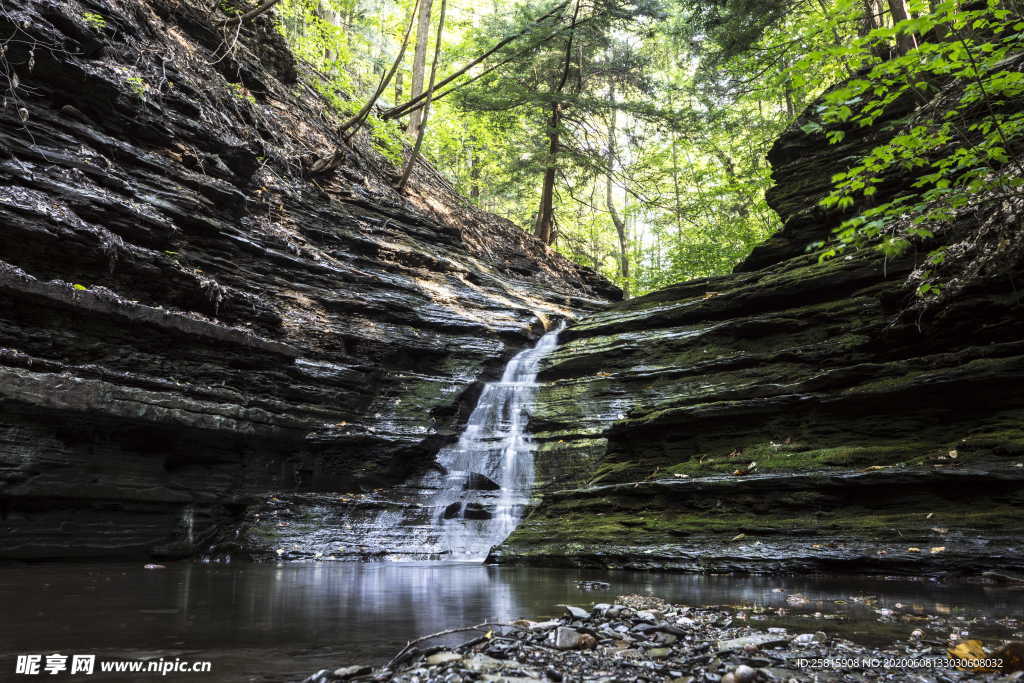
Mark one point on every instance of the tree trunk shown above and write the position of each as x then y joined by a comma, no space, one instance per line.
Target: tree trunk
905,42
422,127
474,172
419,61
544,228
356,120
414,100
620,225
872,17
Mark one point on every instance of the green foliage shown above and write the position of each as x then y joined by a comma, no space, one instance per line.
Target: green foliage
138,85
239,91
701,89
960,81
95,20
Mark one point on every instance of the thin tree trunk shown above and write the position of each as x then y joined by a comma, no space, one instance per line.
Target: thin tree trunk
544,229
385,79
422,127
419,60
474,172
620,225
415,98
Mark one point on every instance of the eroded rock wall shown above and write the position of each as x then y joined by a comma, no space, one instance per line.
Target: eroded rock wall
793,415
207,295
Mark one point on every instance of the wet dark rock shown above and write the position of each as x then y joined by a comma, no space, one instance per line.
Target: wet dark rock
194,335
453,511
476,511
879,434
478,482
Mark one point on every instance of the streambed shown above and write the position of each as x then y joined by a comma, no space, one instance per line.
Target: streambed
263,622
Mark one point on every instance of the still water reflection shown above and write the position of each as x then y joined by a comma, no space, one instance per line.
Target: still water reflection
264,622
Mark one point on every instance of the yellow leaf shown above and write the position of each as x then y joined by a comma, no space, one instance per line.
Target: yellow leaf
938,549
969,651
739,537
913,549
489,634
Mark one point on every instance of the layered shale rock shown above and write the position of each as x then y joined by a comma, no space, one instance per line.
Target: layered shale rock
207,295
792,415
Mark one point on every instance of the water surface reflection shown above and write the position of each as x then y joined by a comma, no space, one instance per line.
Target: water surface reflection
264,622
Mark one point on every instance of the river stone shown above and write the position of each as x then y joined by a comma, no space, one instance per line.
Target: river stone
443,658
350,671
666,638
757,640
483,663
452,511
566,638
744,674
576,612
659,652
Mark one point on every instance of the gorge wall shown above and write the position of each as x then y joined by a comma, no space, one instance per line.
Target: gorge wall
208,298
794,415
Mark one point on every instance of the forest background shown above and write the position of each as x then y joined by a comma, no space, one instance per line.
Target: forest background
631,135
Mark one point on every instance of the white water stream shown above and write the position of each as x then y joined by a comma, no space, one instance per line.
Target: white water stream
486,478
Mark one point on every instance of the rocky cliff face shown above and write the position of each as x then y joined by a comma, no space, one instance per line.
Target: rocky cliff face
208,296
790,416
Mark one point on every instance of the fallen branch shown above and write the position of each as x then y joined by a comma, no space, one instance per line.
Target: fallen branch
265,7
409,645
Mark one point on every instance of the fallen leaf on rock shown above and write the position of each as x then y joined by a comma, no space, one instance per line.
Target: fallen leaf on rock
937,549
739,537
913,549
969,651
875,468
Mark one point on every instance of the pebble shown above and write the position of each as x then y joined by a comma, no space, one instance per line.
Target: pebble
744,674
715,647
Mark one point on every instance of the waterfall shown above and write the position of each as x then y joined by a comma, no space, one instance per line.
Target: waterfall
490,469
485,479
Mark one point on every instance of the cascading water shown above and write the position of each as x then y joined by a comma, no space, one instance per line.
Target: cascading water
490,470
484,481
